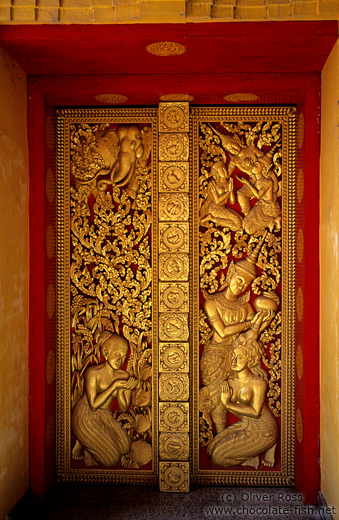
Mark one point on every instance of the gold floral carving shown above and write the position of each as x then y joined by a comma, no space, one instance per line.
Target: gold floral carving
174,476
300,245
174,446
111,99
50,185
174,297
173,327
174,357
173,147
299,426
174,387
50,301
173,417
174,237
50,241
300,304
176,97
50,367
299,362
173,206
173,117
106,171
301,131
300,185
241,97
173,267
173,176
245,267
166,48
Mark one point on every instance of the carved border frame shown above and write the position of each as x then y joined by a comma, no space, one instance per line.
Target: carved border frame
284,477
66,117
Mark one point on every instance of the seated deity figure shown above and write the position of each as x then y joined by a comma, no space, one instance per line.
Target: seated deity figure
220,190
244,395
100,439
229,313
262,185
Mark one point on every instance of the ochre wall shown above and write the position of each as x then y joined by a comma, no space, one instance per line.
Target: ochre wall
329,278
13,285
163,11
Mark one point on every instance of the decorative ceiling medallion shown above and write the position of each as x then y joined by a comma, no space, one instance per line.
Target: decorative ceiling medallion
111,99
240,97
166,48
176,97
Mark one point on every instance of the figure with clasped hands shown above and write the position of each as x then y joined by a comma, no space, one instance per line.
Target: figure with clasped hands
244,396
100,439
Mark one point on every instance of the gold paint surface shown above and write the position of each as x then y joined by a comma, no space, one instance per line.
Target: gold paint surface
174,446
300,131
173,417
300,185
300,304
50,367
174,477
166,48
239,97
107,347
50,432
173,147
173,176
50,185
173,207
111,99
244,262
174,117
300,245
174,387
50,241
50,132
300,362
174,267
299,426
50,301
174,357
176,97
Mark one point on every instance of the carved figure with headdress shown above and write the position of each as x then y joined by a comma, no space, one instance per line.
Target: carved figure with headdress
229,313
262,185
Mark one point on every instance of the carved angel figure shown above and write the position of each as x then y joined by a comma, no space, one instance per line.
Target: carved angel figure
244,396
220,190
100,439
241,156
262,185
229,313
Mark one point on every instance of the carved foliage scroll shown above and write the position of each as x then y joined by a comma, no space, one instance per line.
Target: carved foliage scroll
109,307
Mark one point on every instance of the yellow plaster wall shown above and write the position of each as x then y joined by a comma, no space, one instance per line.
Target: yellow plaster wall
329,297
13,285
163,11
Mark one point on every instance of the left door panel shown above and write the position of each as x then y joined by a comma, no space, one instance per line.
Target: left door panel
107,420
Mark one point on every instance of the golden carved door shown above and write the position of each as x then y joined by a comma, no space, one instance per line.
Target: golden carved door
176,235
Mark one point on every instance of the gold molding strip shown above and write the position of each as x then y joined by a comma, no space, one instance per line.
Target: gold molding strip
174,296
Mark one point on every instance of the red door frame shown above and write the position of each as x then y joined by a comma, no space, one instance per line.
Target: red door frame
48,91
